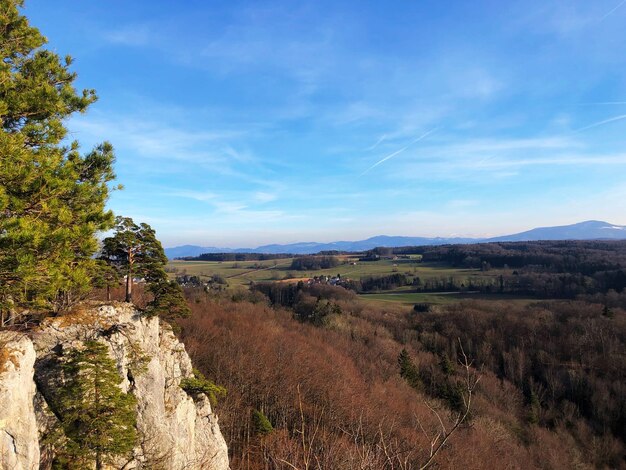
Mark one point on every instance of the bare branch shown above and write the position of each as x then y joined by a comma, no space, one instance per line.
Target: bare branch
471,380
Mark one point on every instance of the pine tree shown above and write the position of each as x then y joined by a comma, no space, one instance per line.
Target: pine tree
105,276
262,424
408,370
98,419
135,251
168,301
52,198
199,384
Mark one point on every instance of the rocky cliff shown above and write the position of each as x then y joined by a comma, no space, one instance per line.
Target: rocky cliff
176,431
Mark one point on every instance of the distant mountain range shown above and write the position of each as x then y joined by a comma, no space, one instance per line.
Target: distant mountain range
588,230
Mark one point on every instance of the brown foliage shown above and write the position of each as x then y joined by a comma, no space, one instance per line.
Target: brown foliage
336,400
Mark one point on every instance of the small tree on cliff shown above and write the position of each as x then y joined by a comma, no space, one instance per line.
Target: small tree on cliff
168,301
98,419
105,276
52,197
135,252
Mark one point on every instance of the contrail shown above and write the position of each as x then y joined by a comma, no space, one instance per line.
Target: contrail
612,11
423,136
378,142
485,159
603,103
601,123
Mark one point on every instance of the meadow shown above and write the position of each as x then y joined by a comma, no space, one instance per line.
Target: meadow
243,273
399,296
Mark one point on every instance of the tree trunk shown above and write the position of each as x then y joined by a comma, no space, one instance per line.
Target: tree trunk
98,461
108,293
129,277
12,313
129,286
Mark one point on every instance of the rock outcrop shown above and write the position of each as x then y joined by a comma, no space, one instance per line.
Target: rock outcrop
176,431
18,427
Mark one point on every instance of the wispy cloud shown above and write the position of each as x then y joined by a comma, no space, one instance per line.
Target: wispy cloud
485,173
602,123
264,197
604,103
462,203
380,140
397,152
611,11
150,139
503,144
202,196
272,120
563,160
157,141
131,35
482,161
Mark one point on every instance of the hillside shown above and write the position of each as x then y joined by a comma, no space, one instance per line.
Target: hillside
364,385
588,230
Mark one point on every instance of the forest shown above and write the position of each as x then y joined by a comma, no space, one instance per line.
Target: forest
323,378
365,386
310,375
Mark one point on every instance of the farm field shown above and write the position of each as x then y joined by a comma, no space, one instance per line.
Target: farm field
244,272
412,298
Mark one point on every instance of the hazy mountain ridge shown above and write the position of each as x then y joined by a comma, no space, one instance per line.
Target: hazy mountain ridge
587,230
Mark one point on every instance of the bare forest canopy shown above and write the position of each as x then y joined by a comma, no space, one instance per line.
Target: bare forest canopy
361,381
342,383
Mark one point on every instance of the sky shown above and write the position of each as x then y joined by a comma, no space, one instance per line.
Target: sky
238,124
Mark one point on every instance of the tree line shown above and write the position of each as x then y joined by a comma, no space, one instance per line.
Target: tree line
314,263
584,257
236,257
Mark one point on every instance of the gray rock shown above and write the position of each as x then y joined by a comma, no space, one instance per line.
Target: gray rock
18,427
175,430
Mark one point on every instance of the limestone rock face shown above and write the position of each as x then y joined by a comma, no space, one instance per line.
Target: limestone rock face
18,427
175,430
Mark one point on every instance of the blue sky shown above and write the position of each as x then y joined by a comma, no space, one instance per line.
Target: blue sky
245,123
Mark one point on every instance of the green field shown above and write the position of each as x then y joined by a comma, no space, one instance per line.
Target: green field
412,298
244,272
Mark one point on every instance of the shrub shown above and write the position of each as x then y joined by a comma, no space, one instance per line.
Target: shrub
262,424
200,384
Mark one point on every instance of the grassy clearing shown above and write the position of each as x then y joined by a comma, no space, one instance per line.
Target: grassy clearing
235,272
411,298
242,272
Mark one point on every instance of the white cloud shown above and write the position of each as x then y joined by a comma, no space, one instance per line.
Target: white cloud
131,35
202,196
160,147
264,197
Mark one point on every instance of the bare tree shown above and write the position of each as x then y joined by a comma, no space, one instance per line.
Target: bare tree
437,441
